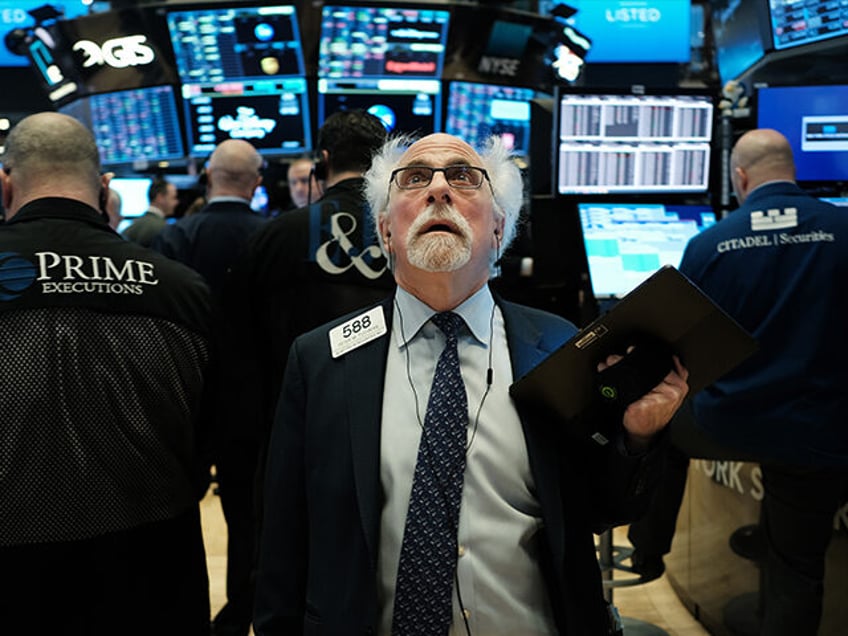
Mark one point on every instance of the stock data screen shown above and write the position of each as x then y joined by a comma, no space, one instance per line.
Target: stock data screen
626,243
133,125
382,42
243,78
271,114
634,143
476,112
794,23
217,45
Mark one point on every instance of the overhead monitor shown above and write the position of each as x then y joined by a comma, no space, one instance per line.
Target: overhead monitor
243,77
382,41
139,125
411,106
627,143
476,112
273,115
627,242
627,32
740,31
795,23
15,14
815,121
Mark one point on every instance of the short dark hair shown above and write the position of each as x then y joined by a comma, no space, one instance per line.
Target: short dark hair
157,187
351,137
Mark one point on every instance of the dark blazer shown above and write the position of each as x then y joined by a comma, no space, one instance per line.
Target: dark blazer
318,556
210,240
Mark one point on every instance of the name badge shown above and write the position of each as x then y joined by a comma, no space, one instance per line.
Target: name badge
357,331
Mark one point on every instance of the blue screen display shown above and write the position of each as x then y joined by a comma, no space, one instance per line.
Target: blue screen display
795,23
478,111
627,242
815,120
382,42
635,31
739,43
14,15
137,125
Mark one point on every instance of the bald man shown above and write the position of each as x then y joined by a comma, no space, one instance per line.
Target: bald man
210,240
778,266
105,347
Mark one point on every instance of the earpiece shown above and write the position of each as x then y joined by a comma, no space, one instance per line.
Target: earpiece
319,170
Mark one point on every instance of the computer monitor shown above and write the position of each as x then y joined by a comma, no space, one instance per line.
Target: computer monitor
382,41
740,32
133,191
411,106
627,242
132,126
14,14
243,77
627,32
476,112
796,23
633,143
273,115
815,121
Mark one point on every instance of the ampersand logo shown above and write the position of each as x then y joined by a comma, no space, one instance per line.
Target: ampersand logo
339,254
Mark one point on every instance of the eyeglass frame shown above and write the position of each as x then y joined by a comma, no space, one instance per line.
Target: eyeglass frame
443,170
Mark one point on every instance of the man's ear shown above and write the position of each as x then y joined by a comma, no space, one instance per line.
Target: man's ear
6,187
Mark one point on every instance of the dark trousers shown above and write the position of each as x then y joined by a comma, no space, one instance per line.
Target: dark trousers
138,582
236,469
797,519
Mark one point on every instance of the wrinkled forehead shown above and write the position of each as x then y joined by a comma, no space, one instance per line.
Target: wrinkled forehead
440,150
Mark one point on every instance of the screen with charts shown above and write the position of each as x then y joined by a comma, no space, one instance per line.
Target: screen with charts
476,112
382,41
633,143
411,106
136,125
242,73
795,23
815,121
627,242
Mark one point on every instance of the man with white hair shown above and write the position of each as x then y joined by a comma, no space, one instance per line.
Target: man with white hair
388,511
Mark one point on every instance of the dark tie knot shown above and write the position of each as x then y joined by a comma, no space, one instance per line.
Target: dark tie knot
449,322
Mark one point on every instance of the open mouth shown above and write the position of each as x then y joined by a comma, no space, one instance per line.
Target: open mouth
439,227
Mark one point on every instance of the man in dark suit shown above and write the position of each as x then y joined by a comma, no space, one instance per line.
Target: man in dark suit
163,201
345,461
211,240
777,265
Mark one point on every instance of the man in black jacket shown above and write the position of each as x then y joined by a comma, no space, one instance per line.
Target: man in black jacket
301,270
212,239
104,350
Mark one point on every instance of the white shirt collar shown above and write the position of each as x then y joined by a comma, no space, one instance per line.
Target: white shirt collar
476,311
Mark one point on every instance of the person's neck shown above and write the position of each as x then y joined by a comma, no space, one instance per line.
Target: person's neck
442,291
334,178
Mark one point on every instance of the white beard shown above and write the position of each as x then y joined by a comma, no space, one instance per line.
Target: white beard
439,251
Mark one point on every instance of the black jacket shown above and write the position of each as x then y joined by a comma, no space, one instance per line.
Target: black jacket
301,270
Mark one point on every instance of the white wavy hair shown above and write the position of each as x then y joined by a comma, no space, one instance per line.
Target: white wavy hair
504,176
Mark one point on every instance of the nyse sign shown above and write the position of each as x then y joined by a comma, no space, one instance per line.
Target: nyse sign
120,52
747,478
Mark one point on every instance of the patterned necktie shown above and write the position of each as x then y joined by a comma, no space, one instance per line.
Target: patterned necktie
428,553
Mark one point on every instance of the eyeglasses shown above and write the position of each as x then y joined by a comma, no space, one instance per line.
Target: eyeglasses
460,177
